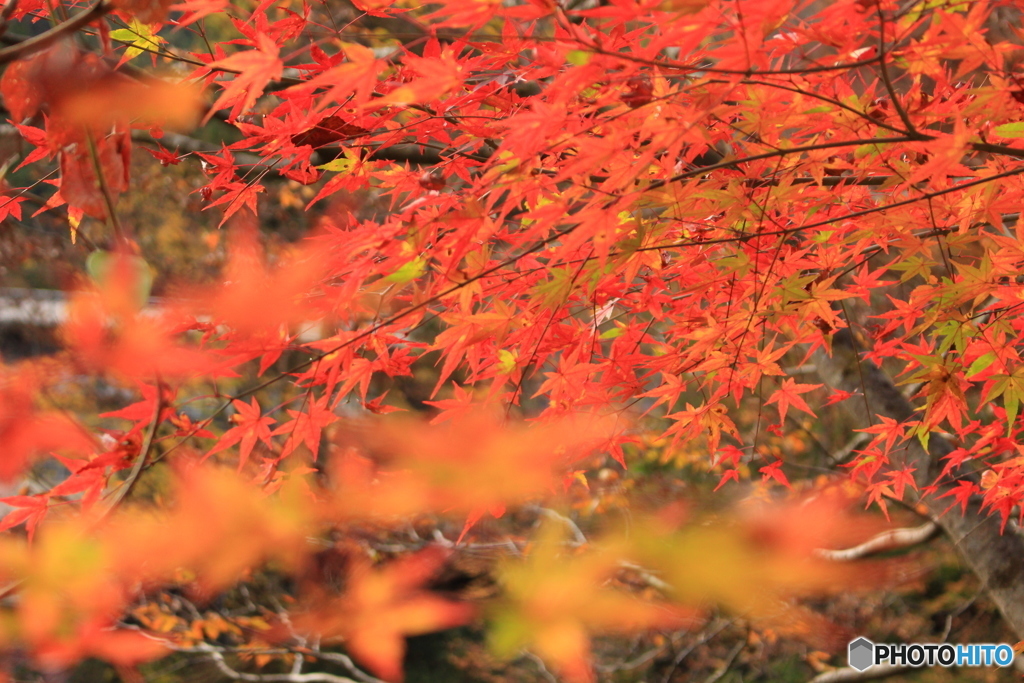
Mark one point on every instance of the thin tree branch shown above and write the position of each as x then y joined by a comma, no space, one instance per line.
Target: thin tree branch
904,117
850,674
732,163
680,67
140,460
541,667
47,38
683,654
345,661
1017,170
853,444
316,677
729,659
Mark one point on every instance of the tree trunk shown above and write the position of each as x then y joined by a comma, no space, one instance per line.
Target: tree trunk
996,557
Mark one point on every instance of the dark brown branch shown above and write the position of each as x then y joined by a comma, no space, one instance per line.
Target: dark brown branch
853,214
670,66
44,40
734,163
884,69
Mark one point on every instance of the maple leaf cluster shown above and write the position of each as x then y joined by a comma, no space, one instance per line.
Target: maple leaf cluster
580,231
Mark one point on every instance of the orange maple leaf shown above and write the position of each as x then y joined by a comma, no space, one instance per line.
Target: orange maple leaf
255,68
256,300
789,395
383,606
252,426
307,425
475,462
555,600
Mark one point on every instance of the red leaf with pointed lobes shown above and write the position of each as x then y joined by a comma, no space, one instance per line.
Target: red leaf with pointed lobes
306,426
838,395
142,411
789,395
774,471
252,426
728,475
30,510
164,156
256,69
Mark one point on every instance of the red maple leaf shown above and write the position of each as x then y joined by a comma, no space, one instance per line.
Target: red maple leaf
773,471
252,426
306,426
254,68
789,395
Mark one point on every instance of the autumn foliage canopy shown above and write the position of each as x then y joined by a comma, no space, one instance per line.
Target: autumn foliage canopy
545,243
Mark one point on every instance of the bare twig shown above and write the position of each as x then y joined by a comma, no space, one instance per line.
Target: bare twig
904,117
851,674
636,662
683,654
140,460
649,578
316,677
346,661
843,454
729,659
577,534
548,676
108,197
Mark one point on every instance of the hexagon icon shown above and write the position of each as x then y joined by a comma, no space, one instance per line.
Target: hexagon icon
860,654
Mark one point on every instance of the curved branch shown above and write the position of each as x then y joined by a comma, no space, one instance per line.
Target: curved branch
140,460
887,540
1017,170
729,163
44,40
317,677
